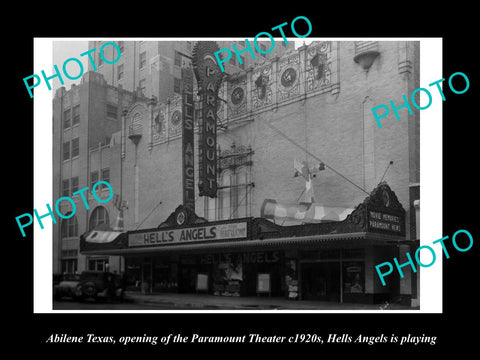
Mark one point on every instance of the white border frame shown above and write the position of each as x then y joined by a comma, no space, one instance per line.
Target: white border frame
431,51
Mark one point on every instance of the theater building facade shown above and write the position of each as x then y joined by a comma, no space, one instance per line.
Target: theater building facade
331,261
269,230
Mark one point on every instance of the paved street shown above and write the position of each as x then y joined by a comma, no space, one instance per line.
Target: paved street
176,301
90,305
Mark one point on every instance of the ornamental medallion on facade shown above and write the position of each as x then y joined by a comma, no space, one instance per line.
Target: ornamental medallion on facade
288,77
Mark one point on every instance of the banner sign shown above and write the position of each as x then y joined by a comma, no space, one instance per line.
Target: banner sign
187,139
209,78
187,235
386,223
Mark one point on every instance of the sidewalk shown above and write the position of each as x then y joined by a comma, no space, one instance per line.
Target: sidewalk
212,302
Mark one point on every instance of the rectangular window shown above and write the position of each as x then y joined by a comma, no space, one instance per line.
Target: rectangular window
143,60
69,266
69,253
112,111
99,60
120,72
76,115
106,174
75,147
93,178
74,184
178,60
67,119
66,187
141,85
69,228
66,150
176,85
97,264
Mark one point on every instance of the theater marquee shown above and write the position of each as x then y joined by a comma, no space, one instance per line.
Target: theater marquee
187,235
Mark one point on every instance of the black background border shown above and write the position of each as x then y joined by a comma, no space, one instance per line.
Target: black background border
28,331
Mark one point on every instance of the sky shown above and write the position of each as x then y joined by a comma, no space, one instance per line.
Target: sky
63,50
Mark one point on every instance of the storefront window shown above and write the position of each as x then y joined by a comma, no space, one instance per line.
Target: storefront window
353,277
291,278
164,275
227,277
134,273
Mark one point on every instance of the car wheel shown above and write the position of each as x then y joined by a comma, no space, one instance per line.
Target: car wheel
88,289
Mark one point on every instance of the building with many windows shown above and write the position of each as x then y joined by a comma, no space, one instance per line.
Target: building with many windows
309,106
84,119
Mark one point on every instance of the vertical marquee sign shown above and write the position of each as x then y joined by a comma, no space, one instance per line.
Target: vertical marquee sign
187,139
209,77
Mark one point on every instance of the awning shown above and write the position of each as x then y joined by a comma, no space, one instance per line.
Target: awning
102,236
281,243
99,240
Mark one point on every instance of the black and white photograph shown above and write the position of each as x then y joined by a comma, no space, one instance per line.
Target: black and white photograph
269,185
248,183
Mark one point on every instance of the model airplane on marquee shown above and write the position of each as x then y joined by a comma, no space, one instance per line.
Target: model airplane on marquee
308,211
302,169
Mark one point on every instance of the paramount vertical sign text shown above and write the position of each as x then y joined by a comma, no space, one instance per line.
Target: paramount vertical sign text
209,78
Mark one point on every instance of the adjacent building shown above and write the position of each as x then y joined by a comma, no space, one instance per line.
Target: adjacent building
84,121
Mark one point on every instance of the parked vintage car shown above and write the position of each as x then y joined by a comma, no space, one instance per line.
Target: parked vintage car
68,286
100,285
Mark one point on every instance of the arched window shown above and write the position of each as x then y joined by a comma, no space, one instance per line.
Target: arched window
69,227
99,216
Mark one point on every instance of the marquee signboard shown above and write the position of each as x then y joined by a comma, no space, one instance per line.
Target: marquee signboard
188,235
385,222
